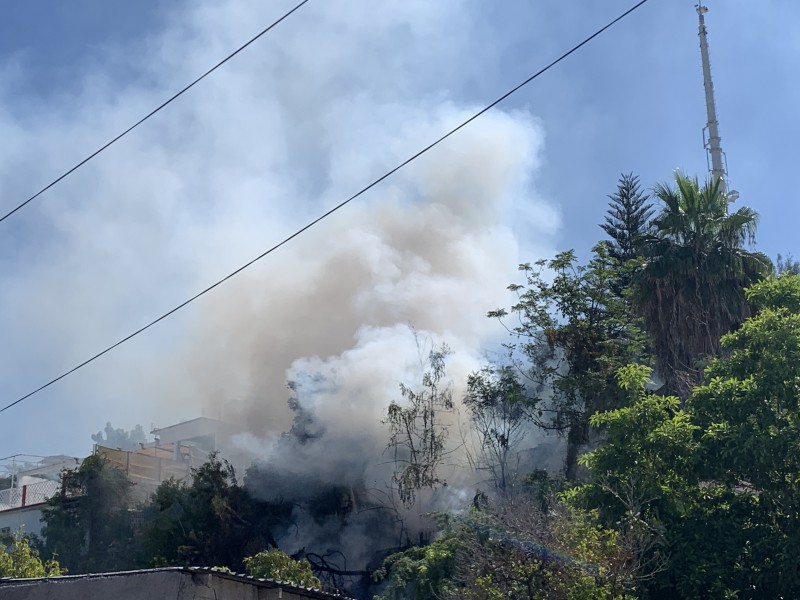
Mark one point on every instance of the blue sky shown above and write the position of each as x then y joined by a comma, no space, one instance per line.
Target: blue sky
330,99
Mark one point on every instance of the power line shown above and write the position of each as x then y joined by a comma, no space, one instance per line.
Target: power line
153,112
332,210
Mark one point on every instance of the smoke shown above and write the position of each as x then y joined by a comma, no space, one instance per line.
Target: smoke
434,252
330,100
325,103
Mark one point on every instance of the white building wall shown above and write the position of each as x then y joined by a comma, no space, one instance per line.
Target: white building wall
29,517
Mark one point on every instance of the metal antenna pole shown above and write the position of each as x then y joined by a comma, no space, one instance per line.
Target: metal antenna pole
711,138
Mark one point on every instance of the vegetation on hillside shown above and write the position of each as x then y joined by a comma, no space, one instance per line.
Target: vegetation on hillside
19,559
669,363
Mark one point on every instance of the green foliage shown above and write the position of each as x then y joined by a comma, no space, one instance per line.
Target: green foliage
20,560
418,432
749,413
88,524
648,453
211,521
780,293
690,291
573,332
531,555
718,480
422,572
499,408
642,479
627,219
513,551
276,564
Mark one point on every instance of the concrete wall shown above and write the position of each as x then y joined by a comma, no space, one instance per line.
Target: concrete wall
167,584
155,586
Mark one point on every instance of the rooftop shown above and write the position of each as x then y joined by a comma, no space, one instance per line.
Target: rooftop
48,584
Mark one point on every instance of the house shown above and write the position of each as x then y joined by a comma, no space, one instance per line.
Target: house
146,468
177,449
174,583
204,435
31,484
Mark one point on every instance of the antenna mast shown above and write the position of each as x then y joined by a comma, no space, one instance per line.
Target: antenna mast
711,138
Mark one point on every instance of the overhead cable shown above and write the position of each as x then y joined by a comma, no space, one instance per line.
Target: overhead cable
151,113
329,212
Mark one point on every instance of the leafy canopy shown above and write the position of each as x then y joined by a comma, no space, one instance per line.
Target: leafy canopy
88,524
20,560
572,332
718,478
690,291
276,564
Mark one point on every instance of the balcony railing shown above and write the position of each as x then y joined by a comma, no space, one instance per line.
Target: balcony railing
28,495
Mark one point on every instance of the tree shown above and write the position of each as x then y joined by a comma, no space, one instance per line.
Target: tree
20,560
627,220
787,264
88,523
423,572
648,452
690,291
211,521
512,551
119,438
645,484
276,564
750,415
500,408
716,479
418,431
573,332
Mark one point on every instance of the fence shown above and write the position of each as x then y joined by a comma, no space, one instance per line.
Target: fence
28,495
144,468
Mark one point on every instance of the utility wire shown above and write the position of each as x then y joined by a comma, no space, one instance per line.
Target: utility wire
151,113
329,212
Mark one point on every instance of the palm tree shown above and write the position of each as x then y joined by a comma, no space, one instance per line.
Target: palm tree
690,291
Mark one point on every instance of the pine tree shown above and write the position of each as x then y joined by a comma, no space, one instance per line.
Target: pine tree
627,220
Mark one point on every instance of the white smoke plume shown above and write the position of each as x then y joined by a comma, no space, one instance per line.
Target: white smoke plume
432,251
327,102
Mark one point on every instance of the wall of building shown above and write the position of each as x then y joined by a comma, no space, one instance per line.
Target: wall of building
29,518
156,584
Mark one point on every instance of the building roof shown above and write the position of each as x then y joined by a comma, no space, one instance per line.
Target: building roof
208,421
305,592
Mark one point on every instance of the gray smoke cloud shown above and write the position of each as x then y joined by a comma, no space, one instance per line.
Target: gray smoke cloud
432,252
327,102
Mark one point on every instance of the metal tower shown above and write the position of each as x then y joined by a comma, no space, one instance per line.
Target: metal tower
711,139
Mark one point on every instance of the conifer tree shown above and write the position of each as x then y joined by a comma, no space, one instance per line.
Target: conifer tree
627,218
